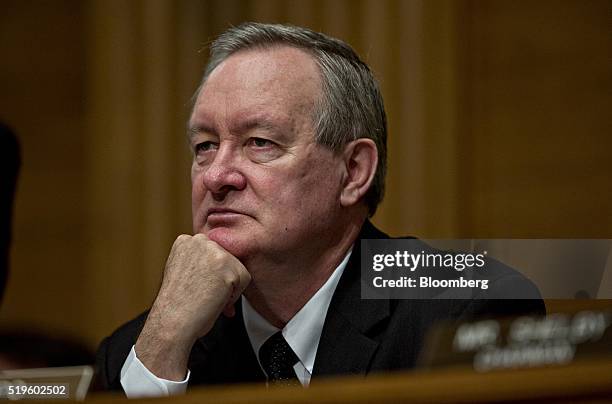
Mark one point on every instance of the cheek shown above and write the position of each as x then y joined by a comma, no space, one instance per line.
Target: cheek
314,185
197,189
197,197
321,173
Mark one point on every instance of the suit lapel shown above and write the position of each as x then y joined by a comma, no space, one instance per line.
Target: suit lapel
225,354
348,341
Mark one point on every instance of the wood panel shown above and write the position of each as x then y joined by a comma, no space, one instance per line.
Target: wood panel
42,96
536,143
498,117
580,382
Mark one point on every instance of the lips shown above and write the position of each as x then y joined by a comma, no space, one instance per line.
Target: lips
221,212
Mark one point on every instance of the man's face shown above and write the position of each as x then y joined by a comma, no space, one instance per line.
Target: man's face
261,186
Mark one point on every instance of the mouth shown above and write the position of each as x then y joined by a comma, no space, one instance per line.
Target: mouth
221,214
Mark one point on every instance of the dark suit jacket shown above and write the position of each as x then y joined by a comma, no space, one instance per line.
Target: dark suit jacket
359,336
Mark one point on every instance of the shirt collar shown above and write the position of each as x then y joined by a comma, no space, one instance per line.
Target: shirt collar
303,331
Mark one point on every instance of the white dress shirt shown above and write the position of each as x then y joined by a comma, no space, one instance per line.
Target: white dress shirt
302,333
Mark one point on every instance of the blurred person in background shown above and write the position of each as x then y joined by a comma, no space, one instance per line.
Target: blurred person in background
19,348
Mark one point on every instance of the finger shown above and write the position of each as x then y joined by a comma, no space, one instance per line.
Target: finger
180,240
244,278
237,289
200,236
229,310
239,285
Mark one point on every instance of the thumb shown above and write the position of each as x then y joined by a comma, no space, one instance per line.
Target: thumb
229,310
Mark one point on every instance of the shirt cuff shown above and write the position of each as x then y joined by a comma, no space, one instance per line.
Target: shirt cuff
138,381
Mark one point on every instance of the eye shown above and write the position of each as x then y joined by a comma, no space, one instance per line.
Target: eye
205,146
262,150
260,142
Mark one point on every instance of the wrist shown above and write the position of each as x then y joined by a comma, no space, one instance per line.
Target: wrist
164,350
170,327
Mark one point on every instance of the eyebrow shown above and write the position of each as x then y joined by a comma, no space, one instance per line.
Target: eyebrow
257,122
200,128
241,127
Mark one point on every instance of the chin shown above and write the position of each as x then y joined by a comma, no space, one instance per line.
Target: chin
236,244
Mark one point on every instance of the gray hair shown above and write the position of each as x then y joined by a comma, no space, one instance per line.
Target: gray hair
352,105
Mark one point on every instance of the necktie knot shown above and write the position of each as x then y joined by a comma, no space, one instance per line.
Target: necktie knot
277,358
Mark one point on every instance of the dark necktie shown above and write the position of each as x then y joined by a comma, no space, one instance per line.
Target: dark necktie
277,358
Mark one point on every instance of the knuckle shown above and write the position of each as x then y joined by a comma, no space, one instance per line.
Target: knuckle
182,238
215,251
229,280
245,274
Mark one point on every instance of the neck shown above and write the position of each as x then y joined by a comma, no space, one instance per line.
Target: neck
288,285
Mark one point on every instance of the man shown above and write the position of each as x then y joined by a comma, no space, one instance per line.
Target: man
19,348
9,164
288,133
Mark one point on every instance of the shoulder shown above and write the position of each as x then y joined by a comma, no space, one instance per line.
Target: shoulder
500,281
404,330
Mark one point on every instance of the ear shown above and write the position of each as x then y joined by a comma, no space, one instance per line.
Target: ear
361,160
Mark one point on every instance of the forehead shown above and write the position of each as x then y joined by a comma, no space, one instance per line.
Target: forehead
281,78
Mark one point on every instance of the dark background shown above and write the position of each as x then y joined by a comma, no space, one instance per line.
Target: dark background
499,117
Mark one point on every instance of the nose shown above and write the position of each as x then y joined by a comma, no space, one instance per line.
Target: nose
223,174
